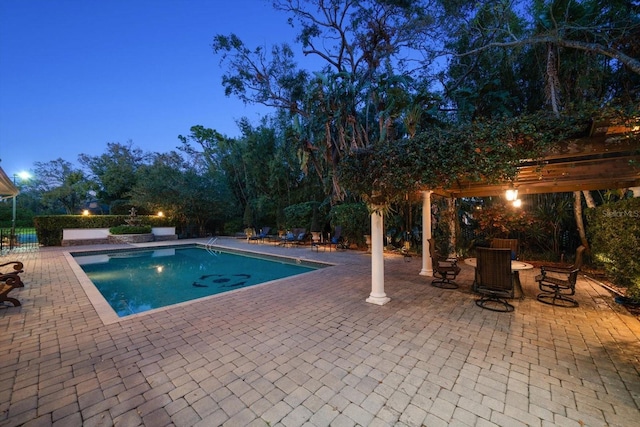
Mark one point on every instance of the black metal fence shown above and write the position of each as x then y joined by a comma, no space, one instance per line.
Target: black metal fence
18,240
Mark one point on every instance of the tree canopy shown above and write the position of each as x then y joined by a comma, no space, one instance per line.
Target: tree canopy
382,92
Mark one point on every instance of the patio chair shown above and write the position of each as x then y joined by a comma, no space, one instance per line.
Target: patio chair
9,282
558,284
507,243
445,269
494,279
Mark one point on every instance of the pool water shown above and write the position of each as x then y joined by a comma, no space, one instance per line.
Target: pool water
137,281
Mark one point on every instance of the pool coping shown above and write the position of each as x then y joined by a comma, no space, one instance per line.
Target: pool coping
109,316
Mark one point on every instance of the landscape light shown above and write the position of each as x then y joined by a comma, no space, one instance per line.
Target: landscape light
160,214
85,212
517,203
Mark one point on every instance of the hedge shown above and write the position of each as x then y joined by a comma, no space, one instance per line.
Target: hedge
614,234
49,228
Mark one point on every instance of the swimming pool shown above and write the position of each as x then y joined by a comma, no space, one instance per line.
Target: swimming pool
135,281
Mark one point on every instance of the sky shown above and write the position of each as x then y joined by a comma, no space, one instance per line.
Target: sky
76,74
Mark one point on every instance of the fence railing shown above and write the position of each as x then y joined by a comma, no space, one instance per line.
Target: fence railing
21,239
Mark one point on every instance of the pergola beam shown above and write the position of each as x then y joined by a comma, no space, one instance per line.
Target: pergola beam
603,161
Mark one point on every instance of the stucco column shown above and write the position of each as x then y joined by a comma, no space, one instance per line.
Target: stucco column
427,267
377,295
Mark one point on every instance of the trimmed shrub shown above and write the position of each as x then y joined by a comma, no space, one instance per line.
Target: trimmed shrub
49,228
130,229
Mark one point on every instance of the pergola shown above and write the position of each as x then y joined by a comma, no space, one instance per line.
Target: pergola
608,158
7,189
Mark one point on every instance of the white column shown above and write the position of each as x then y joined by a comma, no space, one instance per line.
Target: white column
377,295
427,267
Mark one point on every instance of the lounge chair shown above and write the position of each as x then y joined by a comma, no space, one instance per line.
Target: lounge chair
445,269
558,284
295,236
9,282
494,279
301,236
264,232
337,240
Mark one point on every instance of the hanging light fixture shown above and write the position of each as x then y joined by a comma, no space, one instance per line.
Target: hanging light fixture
511,194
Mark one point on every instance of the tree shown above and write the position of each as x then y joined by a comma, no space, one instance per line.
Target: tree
178,189
62,186
356,97
260,169
115,170
493,82
588,50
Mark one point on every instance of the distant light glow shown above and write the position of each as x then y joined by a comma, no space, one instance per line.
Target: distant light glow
161,214
517,203
85,212
511,194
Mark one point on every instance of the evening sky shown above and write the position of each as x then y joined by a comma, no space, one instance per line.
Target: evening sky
75,74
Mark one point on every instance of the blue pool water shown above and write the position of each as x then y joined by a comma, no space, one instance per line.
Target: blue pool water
137,281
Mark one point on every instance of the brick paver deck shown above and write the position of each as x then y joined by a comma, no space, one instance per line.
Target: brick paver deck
310,351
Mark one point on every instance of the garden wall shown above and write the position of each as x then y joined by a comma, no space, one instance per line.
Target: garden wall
95,236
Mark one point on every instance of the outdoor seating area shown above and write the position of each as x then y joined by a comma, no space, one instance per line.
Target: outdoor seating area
297,237
311,351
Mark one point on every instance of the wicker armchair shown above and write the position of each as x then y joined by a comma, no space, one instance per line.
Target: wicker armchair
558,284
445,269
494,278
507,243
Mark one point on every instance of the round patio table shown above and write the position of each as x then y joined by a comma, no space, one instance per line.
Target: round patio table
515,265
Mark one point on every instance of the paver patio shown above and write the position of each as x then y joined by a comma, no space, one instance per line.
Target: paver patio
310,351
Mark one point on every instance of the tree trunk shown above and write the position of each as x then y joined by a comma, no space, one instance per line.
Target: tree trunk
577,210
589,199
553,83
452,219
